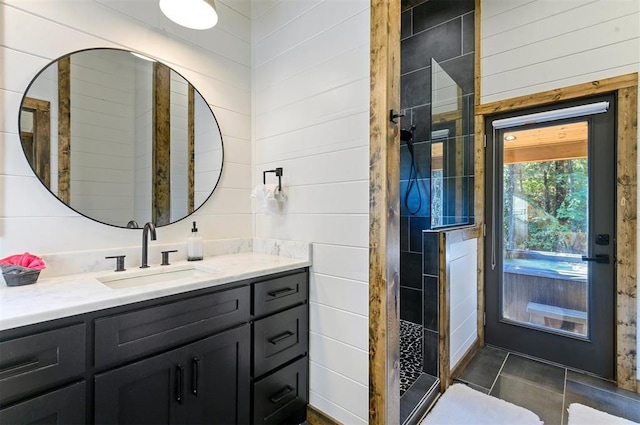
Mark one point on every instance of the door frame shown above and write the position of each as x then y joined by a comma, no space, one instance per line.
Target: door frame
626,88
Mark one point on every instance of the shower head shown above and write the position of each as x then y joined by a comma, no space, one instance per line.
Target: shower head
407,135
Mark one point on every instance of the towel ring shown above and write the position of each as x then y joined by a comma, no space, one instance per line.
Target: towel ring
278,172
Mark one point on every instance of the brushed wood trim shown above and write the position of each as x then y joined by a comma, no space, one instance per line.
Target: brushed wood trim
478,166
37,145
161,150
607,85
626,89
317,417
626,235
444,333
384,215
64,130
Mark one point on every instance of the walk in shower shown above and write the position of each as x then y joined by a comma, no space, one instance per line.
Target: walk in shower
436,177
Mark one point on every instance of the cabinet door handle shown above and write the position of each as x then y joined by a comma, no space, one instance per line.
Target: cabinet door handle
179,382
280,395
279,338
281,292
195,364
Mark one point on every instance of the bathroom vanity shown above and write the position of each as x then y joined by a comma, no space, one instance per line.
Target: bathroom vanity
228,346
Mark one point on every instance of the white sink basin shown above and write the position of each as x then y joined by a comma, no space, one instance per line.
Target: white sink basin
155,275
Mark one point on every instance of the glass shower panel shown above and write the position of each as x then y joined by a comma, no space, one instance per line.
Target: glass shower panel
451,153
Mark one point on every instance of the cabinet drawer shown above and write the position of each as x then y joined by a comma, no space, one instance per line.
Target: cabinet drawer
63,406
280,293
40,361
279,338
282,397
142,332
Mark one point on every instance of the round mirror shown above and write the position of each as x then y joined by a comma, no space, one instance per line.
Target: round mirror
120,138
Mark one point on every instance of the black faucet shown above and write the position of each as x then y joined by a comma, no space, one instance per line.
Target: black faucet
148,227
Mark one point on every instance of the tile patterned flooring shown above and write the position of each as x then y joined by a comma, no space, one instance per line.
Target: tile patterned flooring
547,390
410,354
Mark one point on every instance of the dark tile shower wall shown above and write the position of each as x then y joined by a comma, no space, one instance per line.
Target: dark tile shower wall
443,30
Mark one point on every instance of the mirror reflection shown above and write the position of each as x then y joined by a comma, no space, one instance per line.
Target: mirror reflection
120,138
451,153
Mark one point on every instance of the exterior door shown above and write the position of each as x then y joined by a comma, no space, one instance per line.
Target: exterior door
550,257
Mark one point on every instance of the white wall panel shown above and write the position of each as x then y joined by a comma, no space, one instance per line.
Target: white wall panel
335,72
327,106
344,294
339,39
544,44
312,22
339,325
463,301
337,412
319,199
348,394
272,15
346,230
344,261
343,133
339,357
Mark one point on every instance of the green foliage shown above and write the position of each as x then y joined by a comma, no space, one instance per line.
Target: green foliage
555,194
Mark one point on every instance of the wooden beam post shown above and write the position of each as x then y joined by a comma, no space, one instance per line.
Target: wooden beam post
384,215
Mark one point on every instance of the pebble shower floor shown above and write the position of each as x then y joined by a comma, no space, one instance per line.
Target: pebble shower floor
410,354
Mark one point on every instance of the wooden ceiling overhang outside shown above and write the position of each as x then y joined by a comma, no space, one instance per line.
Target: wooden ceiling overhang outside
550,143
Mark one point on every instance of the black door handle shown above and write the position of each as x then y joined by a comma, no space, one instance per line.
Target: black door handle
280,395
599,258
278,338
179,382
281,292
194,378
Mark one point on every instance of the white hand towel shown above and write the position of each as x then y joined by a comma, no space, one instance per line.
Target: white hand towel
267,197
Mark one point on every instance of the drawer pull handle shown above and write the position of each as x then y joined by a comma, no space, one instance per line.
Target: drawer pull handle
281,292
179,383
279,338
280,395
196,363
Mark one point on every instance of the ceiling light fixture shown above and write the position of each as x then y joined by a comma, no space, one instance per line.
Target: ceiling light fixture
194,14
510,138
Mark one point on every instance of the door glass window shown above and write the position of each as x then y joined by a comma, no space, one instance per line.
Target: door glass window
545,196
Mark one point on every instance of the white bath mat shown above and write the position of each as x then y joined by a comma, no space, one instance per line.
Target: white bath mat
461,405
584,415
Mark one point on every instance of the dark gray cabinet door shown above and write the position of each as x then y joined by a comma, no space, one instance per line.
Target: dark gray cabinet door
144,392
205,382
219,382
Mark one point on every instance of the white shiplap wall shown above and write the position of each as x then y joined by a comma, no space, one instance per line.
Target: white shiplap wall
217,62
311,117
463,301
529,46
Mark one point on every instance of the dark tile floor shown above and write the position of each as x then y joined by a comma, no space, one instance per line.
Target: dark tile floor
547,390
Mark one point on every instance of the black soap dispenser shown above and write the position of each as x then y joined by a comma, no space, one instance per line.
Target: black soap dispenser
194,245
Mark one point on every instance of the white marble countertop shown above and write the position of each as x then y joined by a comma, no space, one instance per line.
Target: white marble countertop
64,296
